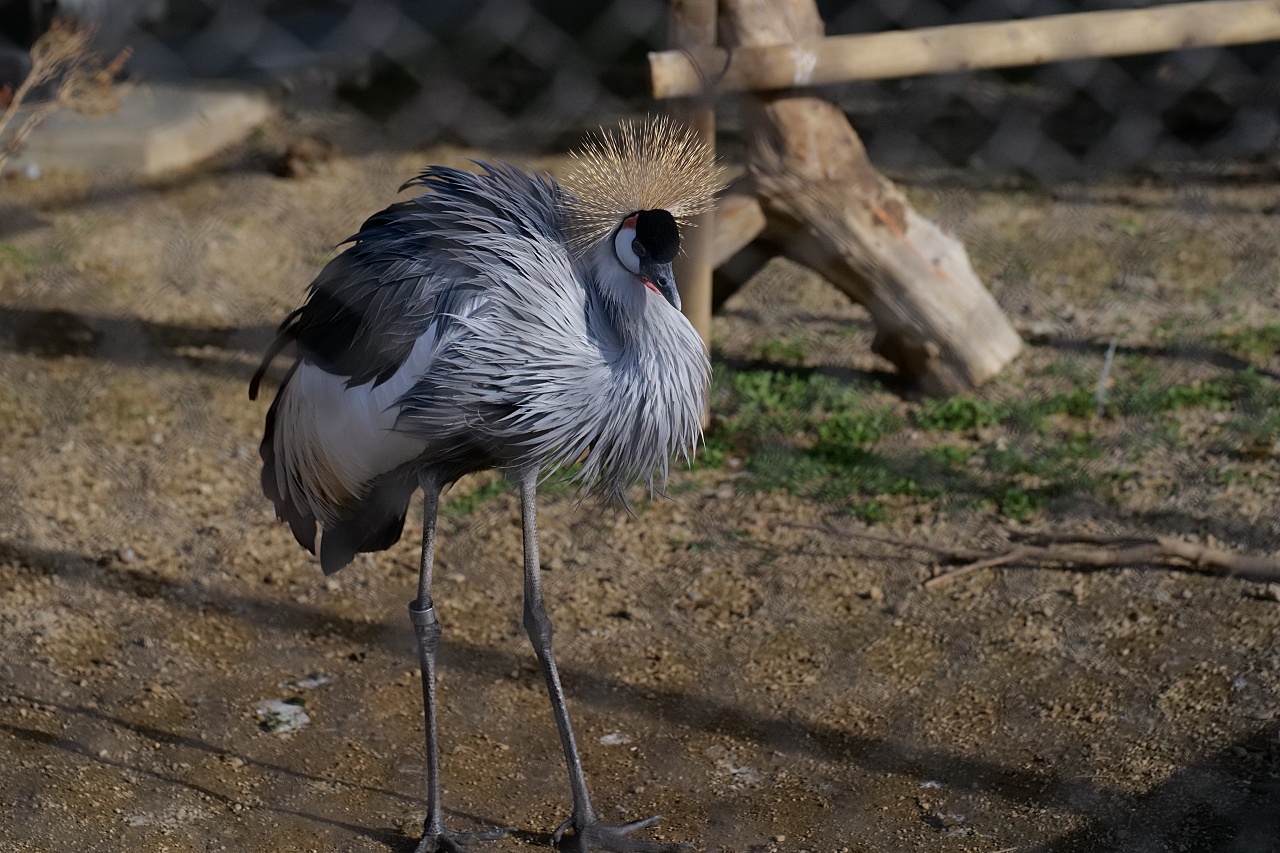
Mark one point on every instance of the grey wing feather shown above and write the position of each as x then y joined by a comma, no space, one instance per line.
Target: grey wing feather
520,364
409,267
544,380
413,264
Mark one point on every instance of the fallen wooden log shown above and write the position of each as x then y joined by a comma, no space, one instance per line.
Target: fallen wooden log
739,219
828,208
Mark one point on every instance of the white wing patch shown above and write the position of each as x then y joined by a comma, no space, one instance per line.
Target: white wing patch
335,440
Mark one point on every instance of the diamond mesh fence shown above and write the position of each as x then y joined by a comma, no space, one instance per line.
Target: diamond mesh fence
769,656
539,73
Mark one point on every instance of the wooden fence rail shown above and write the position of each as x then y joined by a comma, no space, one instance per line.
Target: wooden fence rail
963,47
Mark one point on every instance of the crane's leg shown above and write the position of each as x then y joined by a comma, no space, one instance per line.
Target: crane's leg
588,833
435,838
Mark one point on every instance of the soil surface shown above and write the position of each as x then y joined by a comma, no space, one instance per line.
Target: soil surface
736,659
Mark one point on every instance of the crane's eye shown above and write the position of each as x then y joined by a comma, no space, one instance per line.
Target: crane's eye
627,247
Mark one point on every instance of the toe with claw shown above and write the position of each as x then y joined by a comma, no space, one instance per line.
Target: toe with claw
596,836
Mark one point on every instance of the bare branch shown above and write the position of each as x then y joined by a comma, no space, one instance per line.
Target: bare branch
1109,552
63,57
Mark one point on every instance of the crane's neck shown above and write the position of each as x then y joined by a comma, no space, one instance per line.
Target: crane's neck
656,346
658,367
641,319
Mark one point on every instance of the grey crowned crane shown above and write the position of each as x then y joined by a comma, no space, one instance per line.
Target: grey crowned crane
499,320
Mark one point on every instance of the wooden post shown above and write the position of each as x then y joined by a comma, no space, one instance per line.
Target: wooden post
693,26
964,47
828,208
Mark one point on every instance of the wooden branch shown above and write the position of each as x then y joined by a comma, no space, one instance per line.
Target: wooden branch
692,26
1123,551
963,47
63,59
1108,552
739,220
828,208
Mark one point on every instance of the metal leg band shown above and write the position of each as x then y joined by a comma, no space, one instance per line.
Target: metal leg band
425,625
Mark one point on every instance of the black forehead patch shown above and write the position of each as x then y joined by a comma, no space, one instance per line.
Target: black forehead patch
658,233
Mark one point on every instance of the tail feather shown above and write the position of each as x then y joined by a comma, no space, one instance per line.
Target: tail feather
376,526
301,520
286,334
372,521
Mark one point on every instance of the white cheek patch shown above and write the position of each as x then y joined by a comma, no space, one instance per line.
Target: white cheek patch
622,247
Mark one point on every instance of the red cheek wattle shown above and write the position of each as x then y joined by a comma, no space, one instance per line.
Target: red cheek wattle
651,286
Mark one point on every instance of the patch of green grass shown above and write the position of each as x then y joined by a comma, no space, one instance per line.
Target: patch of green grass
463,504
1018,504
936,477
857,428
906,475
1056,460
811,435
1215,396
714,453
775,390
1257,427
1078,403
1146,394
1225,477
963,414
870,512
1139,389
17,256
950,456
956,414
783,352
1072,369
1257,343
1256,423
1128,224
758,404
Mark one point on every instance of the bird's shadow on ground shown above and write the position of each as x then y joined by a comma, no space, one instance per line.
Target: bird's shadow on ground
1179,808
387,837
1106,808
222,351
1201,807
1190,352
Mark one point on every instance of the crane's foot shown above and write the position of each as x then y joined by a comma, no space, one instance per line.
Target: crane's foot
445,841
596,836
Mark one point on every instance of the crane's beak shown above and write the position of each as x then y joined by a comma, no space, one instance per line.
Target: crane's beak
660,278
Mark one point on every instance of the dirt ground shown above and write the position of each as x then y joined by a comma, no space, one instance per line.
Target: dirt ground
765,685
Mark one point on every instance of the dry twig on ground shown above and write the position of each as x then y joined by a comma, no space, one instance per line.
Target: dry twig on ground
63,57
1082,550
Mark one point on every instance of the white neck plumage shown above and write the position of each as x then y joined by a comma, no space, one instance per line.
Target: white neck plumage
629,304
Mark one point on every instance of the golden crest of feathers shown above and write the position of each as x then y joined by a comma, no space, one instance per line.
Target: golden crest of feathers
653,165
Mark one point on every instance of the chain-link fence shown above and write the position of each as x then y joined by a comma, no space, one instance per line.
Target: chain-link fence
1066,121
541,73
767,657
